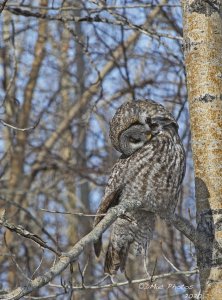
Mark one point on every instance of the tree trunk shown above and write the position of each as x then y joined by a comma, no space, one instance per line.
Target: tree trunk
19,141
203,60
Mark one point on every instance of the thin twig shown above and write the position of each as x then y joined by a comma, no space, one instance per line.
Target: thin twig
38,265
31,217
64,261
18,229
167,259
14,69
94,10
82,276
72,213
135,281
20,129
96,18
2,5
13,258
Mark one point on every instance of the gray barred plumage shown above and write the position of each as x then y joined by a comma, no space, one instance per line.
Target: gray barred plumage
151,168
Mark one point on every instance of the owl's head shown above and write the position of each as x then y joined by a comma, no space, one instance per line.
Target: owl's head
135,123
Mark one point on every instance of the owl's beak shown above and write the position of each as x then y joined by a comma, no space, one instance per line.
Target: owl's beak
149,136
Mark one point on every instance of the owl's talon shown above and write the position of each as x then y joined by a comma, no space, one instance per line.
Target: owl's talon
128,218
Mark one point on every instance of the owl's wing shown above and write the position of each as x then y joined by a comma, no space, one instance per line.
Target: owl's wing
109,201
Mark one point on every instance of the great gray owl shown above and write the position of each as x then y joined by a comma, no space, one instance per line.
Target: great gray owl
151,169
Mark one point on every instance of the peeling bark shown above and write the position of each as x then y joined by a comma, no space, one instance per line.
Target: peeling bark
203,53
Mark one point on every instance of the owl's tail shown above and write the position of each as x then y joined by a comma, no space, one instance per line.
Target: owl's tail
115,259
136,229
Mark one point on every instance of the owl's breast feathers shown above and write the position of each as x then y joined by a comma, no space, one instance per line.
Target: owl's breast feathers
157,169
155,172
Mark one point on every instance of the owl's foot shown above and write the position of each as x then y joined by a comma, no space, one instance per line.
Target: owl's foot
128,218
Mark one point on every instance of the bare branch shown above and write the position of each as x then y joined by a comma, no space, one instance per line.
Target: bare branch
30,216
20,129
13,258
135,281
94,10
26,234
73,254
72,213
97,19
2,5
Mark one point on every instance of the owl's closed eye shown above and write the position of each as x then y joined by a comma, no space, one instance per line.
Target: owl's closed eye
133,138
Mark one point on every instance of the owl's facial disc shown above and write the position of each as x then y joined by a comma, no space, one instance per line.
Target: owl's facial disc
134,138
